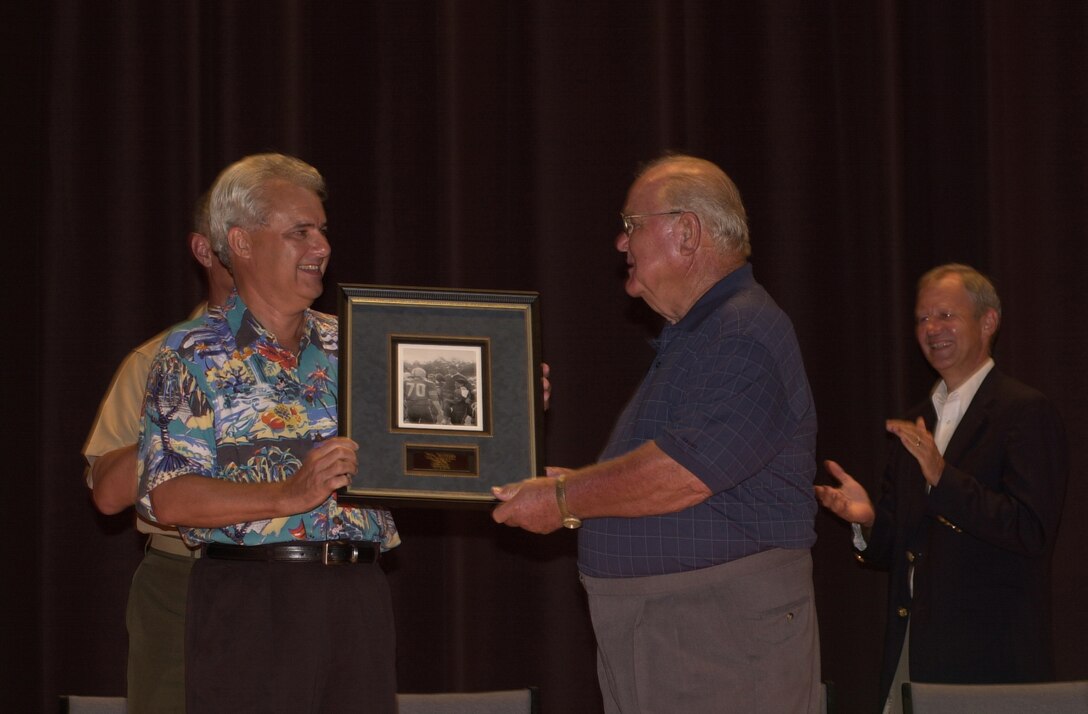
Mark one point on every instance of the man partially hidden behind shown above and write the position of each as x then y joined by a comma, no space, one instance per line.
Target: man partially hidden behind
699,515
288,609
155,614
969,506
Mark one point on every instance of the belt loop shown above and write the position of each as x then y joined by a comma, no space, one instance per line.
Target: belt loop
325,553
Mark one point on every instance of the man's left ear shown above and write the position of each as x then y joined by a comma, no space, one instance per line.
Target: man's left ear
990,322
202,249
690,232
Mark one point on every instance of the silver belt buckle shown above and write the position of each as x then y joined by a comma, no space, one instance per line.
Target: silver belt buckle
325,553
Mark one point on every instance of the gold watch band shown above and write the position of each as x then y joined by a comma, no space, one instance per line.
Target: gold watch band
569,521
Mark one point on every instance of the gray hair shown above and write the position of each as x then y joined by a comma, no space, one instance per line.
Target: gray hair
700,186
979,288
238,196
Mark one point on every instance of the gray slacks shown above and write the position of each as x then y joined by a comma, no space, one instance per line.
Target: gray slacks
736,637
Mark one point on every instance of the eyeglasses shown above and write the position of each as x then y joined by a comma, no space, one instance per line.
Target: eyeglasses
629,227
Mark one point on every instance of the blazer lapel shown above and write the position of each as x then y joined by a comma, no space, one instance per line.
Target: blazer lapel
975,420
915,503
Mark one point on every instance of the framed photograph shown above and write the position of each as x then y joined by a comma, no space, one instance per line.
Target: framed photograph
441,388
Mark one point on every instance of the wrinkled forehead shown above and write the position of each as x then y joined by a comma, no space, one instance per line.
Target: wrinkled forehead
293,203
646,192
946,293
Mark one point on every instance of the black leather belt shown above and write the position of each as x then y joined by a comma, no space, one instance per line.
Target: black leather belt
327,552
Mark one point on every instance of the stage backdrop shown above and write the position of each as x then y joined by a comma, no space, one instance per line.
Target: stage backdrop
489,144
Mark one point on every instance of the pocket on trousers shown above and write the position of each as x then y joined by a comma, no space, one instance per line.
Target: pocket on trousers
777,624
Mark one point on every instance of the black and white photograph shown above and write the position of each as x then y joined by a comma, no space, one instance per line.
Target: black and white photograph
440,386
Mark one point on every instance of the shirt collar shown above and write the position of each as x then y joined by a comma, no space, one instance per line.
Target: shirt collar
248,329
966,391
727,287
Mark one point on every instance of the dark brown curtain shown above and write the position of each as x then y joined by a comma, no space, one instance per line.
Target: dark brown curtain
489,144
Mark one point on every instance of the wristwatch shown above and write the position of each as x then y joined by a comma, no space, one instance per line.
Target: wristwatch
569,521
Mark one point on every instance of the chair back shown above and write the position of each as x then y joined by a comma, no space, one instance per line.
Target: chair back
75,704
1041,698
515,701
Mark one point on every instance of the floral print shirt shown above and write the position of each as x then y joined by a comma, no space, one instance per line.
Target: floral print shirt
224,400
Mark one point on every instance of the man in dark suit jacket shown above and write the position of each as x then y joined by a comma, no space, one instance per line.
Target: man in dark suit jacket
969,508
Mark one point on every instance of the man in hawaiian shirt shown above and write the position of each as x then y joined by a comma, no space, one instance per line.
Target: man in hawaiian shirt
288,610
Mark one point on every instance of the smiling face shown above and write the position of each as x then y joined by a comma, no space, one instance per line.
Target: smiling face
954,338
284,260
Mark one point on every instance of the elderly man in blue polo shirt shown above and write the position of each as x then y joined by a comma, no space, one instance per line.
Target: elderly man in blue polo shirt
698,518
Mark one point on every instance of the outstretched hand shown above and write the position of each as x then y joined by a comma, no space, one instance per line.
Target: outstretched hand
849,500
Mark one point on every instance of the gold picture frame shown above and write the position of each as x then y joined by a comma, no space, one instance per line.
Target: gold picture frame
441,390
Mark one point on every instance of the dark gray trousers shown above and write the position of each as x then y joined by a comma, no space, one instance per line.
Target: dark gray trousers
289,637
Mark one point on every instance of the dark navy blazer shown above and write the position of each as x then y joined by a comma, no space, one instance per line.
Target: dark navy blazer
980,542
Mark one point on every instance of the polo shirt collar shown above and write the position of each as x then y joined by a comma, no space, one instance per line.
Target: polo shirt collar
740,279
